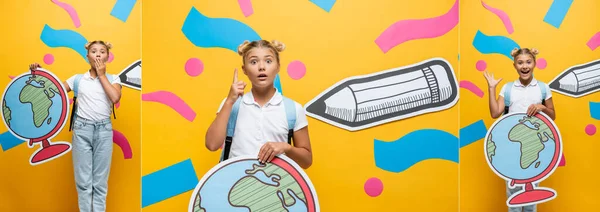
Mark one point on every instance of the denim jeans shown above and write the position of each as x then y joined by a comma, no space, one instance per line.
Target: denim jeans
92,154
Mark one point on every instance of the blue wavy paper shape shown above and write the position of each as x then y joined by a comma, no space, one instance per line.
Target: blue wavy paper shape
417,146
208,32
225,33
64,38
494,44
277,84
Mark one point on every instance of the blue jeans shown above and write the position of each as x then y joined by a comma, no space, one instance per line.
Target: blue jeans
510,192
92,152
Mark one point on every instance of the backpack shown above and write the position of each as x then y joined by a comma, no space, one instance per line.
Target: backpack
509,88
76,91
290,113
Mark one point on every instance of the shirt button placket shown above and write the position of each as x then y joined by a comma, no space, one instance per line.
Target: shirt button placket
259,126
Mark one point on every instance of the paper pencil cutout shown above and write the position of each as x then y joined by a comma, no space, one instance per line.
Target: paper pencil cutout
361,102
132,75
578,80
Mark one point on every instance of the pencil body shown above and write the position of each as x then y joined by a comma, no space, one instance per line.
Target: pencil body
365,101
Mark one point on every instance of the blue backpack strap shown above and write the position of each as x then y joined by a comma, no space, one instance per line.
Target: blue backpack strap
231,128
290,113
75,87
75,90
507,91
543,89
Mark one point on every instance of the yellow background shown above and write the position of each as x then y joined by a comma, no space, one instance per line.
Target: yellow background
51,186
576,183
333,46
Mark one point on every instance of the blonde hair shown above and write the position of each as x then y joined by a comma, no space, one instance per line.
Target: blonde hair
104,43
532,52
275,46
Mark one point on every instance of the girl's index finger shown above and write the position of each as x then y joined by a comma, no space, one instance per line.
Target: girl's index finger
235,75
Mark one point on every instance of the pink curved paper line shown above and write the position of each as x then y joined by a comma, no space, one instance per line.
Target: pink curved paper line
120,140
406,30
594,42
471,87
502,15
172,101
11,77
69,10
246,6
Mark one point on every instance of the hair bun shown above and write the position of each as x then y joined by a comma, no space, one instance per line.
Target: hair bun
108,45
513,53
242,46
535,51
279,46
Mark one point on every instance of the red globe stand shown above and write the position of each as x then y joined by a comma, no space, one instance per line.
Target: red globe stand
530,195
48,151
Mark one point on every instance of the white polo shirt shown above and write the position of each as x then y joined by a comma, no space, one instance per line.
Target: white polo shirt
257,125
92,101
521,97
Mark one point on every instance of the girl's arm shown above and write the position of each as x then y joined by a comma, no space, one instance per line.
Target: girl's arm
549,108
113,91
301,152
216,133
496,105
66,85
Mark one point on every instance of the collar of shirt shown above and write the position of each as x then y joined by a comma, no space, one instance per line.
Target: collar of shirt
87,75
275,100
533,82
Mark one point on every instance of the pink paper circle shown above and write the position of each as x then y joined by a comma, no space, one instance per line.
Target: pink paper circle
541,63
111,57
373,187
48,59
296,70
481,65
590,129
194,67
118,105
